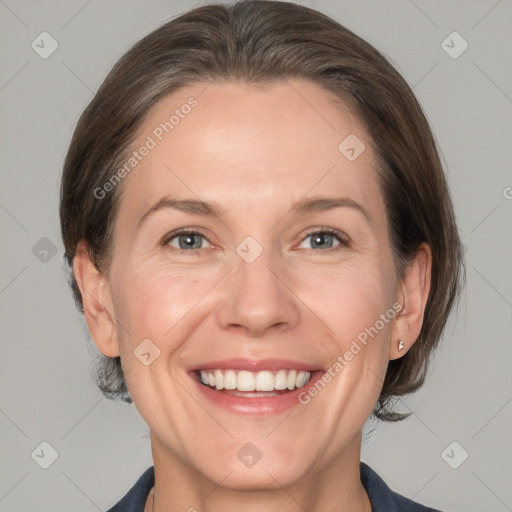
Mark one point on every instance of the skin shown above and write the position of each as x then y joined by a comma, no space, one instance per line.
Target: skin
255,151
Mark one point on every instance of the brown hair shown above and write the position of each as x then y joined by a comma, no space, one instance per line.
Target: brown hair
260,41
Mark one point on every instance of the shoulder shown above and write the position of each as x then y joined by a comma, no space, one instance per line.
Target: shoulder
383,499
135,499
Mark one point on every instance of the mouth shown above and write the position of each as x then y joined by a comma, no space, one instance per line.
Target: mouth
248,387
253,384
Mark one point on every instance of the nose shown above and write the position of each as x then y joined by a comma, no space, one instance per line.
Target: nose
258,298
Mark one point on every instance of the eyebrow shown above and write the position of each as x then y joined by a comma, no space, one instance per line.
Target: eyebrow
198,207
193,206
320,204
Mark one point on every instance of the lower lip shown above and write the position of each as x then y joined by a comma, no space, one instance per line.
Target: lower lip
257,406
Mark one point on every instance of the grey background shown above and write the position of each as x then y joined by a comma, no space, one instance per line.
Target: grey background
103,447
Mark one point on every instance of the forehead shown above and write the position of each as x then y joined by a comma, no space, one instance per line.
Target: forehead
241,145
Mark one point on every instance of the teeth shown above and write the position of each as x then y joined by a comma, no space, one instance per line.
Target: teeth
301,379
229,379
292,379
255,381
246,381
264,381
219,379
281,380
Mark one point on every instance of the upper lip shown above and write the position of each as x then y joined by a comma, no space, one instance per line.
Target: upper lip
254,365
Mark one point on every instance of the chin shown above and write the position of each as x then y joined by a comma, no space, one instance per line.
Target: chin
249,469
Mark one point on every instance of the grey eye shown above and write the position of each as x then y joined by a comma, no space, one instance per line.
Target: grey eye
187,241
321,240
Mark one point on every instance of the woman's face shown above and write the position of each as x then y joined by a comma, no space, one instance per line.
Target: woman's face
263,288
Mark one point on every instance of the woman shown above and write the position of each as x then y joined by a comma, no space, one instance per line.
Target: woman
264,247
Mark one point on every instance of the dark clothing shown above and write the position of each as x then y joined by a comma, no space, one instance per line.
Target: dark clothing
382,498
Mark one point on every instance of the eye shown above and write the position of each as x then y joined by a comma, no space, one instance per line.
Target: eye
192,241
325,239
185,240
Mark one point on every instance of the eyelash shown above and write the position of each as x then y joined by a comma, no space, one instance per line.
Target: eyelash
340,236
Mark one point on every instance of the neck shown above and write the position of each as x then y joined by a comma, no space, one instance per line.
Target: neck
336,486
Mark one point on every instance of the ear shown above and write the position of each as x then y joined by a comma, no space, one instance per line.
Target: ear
97,300
413,295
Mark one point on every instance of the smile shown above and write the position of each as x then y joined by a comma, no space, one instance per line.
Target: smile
254,387
246,383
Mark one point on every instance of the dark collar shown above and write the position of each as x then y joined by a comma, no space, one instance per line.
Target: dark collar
382,498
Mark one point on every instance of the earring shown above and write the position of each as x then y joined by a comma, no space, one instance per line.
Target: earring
401,345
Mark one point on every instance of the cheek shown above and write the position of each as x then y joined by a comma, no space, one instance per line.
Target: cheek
155,304
351,298
154,300
355,303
